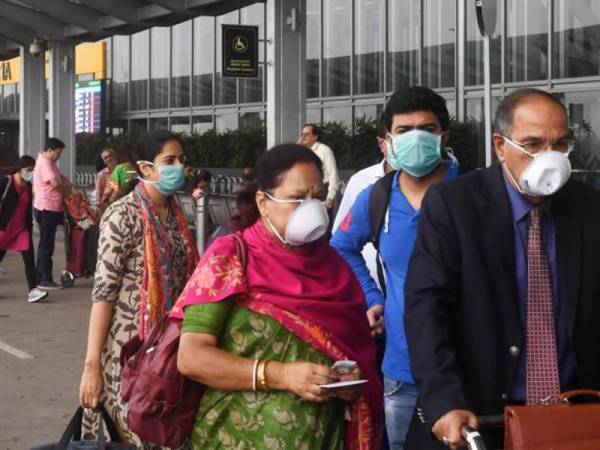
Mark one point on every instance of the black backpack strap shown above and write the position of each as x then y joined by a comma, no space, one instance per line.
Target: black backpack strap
378,206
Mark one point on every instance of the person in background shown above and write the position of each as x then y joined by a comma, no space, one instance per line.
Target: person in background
50,188
188,171
247,180
16,221
201,183
416,121
262,337
357,183
502,288
108,158
247,211
122,173
145,256
310,138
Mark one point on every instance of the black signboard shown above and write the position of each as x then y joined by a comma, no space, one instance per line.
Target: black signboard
240,51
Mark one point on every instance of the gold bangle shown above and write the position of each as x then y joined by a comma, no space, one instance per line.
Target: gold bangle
261,376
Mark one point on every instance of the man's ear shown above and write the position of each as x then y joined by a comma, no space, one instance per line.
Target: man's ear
499,146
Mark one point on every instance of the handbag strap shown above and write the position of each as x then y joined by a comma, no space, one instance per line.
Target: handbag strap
240,249
5,191
73,430
566,397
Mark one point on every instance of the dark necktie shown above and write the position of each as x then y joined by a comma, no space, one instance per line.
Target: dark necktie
542,363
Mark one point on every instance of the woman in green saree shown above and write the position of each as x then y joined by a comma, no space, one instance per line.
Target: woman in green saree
263,337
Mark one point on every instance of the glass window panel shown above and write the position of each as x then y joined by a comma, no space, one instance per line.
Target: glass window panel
226,121
181,65
120,73
251,120
474,119
180,124
313,47
313,115
337,46
139,126
159,123
202,124
474,51
369,44
225,88
341,114
9,99
527,40
439,43
160,64
584,118
204,47
140,55
404,28
576,38
251,89
367,112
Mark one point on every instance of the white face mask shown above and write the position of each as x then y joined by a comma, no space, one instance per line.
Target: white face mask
27,175
545,175
306,224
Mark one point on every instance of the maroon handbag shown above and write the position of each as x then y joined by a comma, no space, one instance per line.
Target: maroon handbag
161,403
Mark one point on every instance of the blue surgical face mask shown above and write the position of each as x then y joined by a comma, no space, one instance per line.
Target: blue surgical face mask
416,152
171,178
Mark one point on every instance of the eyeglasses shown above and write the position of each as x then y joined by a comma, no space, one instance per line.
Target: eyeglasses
534,146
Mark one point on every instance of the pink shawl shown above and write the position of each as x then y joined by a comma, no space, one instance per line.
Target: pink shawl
313,293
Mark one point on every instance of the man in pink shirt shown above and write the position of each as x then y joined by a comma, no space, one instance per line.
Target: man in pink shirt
49,187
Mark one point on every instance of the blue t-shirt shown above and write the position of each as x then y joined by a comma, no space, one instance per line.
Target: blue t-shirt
396,242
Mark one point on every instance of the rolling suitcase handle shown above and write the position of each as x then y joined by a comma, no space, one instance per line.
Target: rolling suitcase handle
473,438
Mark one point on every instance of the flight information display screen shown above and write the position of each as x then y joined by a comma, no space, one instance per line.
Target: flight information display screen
88,106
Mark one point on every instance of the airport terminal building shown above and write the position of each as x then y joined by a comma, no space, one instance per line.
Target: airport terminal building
357,53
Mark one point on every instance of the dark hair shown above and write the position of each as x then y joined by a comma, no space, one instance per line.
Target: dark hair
203,175
416,98
314,129
247,210
151,144
148,147
278,160
53,144
23,162
506,108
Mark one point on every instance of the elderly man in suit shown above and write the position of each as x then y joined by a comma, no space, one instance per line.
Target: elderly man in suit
502,297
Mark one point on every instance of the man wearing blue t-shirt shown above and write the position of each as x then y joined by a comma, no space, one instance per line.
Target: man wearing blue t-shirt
416,121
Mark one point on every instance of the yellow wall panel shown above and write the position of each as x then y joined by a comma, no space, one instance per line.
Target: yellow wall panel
89,58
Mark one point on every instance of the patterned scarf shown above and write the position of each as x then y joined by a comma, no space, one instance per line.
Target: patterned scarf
159,290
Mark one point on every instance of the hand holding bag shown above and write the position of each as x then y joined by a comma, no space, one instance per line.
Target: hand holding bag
71,438
562,426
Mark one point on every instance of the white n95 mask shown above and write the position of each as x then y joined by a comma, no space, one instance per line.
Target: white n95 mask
546,173
306,224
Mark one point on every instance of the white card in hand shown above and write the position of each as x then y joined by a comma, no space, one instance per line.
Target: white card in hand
341,384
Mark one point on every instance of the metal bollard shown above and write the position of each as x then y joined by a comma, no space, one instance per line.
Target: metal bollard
201,223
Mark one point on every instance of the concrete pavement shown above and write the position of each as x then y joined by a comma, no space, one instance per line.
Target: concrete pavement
38,396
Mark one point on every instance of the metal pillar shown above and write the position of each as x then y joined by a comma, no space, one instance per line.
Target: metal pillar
286,70
32,104
62,103
201,223
487,100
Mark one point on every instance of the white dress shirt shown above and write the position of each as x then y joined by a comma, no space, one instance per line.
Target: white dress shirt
358,183
330,172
